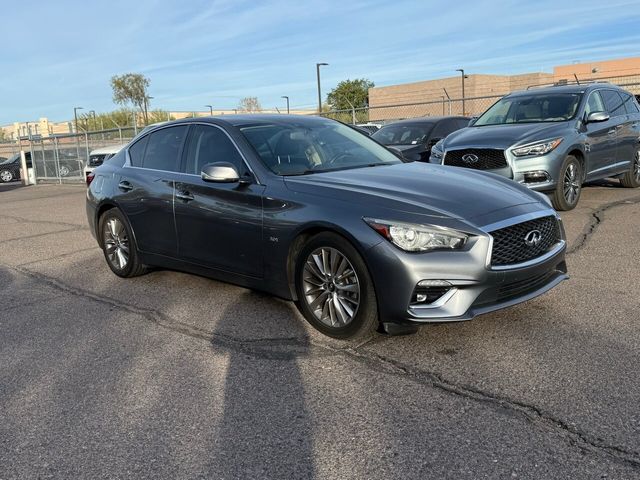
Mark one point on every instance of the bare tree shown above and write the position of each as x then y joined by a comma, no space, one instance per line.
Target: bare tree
132,88
249,105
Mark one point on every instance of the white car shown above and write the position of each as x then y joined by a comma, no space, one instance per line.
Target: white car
96,157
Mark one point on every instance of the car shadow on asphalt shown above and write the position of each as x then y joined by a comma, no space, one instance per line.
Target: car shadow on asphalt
266,430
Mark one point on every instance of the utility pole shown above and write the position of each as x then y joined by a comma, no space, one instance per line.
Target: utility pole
284,96
461,70
210,109
318,65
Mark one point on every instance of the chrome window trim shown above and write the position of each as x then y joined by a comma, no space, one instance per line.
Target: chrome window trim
127,162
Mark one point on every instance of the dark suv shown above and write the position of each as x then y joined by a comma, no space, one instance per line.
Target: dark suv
553,139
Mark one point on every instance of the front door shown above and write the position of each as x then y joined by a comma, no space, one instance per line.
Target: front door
219,225
601,138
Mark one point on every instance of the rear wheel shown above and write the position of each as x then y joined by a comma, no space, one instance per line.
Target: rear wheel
334,289
6,175
119,246
569,187
64,170
631,179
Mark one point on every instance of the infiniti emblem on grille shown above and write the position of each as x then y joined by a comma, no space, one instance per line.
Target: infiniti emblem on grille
469,158
533,238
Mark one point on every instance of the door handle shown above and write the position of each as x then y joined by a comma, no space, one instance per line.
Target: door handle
125,186
186,196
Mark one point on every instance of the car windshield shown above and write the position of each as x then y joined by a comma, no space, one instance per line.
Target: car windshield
403,134
534,108
289,149
11,159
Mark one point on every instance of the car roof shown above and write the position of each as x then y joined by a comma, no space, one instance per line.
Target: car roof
253,119
107,150
425,120
573,88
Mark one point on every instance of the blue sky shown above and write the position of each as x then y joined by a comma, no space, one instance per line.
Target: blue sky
61,54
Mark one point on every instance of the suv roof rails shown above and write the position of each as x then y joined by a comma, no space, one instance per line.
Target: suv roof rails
564,82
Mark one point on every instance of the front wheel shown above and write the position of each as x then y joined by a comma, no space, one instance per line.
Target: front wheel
631,179
334,289
6,176
567,192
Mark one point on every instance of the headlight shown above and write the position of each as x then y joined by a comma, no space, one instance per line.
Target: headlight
539,148
437,151
418,238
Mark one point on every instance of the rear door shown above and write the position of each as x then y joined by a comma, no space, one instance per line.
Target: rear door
629,144
219,225
146,188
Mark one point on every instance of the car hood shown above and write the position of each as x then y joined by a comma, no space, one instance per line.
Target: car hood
418,188
503,136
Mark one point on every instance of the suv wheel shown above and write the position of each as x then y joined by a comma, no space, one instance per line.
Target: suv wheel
631,179
6,175
118,245
334,289
64,171
567,191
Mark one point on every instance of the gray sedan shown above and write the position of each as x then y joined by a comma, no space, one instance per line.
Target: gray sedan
312,211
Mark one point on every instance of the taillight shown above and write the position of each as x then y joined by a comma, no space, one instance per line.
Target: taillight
90,177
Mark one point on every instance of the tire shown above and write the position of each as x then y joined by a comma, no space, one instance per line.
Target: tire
567,192
631,179
118,245
6,176
327,291
64,171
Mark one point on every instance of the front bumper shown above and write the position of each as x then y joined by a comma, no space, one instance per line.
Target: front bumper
476,287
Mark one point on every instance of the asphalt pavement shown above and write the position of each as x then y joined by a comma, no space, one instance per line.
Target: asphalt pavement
171,375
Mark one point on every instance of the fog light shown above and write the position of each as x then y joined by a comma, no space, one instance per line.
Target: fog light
429,291
538,176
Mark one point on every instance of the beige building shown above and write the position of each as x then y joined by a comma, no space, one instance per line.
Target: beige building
443,96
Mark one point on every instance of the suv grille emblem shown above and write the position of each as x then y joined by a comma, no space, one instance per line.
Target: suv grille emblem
533,238
469,158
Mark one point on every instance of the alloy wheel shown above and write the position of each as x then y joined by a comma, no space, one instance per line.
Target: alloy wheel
116,243
571,184
64,171
6,176
636,167
331,287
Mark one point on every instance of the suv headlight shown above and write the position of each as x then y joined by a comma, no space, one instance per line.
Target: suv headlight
437,151
538,148
418,238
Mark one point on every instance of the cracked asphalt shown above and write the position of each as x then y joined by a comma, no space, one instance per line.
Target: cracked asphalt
172,375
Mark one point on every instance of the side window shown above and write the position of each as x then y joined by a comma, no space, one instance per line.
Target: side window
163,149
136,151
629,103
209,145
443,128
613,102
594,104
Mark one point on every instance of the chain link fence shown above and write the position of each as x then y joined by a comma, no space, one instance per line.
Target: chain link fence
62,158
469,106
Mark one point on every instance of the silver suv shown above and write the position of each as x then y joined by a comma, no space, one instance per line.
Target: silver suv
553,140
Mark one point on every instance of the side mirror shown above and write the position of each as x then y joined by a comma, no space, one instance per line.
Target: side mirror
397,152
220,172
595,117
472,121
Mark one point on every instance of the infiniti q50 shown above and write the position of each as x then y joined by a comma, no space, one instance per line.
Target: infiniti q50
313,211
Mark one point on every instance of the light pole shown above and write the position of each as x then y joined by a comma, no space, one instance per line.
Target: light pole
461,70
284,96
318,65
210,109
75,116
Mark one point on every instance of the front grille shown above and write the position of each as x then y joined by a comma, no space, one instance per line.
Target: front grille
522,287
487,158
510,246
